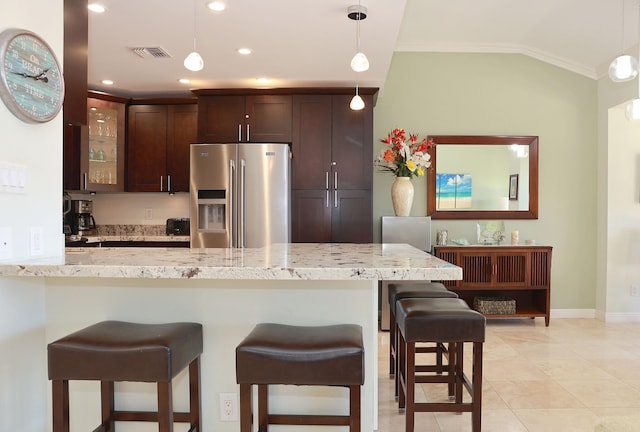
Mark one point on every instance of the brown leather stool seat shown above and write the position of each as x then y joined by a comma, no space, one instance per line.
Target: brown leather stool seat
112,351
296,355
402,290
446,320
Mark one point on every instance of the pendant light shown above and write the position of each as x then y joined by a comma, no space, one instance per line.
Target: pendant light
359,63
194,61
624,67
356,103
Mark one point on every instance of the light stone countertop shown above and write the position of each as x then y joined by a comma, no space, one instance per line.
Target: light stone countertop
294,261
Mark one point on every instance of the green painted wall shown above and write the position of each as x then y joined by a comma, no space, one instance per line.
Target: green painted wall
507,94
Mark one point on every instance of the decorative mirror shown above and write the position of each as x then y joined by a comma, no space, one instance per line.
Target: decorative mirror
483,177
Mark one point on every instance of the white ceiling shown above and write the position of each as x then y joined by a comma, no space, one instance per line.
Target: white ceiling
309,43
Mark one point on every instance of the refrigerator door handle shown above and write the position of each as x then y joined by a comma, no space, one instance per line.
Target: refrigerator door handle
230,201
242,218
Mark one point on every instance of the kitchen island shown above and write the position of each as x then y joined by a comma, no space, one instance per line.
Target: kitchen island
228,291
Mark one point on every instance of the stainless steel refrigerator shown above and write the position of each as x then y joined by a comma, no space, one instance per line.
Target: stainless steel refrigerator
240,195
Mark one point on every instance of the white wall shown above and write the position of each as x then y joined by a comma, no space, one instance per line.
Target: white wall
38,148
623,216
615,251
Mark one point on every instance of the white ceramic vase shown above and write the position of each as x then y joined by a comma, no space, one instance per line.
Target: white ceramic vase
402,196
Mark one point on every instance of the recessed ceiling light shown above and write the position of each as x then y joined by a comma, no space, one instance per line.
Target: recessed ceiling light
96,7
107,82
262,80
244,51
184,81
216,5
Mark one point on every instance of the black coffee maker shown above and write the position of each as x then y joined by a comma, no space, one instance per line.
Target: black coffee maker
80,218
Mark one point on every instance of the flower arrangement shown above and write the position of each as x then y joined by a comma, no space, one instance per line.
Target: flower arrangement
404,157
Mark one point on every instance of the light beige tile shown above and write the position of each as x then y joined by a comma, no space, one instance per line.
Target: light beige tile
565,377
564,420
603,393
535,394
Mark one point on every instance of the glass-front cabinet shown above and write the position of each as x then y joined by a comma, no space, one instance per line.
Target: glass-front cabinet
105,152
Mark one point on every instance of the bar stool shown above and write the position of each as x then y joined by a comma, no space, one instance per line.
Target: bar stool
446,320
420,289
295,355
111,351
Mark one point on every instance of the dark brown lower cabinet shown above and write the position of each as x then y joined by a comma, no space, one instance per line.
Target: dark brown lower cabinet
323,216
520,273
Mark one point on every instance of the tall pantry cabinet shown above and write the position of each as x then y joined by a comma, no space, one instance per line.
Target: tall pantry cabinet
332,169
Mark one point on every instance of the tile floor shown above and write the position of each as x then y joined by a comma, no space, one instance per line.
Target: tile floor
575,375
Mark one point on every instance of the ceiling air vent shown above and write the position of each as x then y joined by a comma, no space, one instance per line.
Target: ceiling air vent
145,52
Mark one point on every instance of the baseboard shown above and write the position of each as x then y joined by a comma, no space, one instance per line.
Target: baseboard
573,313
599,315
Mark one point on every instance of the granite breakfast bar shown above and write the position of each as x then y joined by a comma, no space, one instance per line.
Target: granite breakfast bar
228,291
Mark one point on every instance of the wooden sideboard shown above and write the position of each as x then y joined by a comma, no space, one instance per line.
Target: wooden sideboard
521,273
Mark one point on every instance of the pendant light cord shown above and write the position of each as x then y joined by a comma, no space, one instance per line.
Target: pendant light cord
194,26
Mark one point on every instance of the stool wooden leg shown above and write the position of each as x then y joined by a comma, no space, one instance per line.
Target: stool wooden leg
451,369
107,403
410,376
459,371
401,373
263,407
194,394
393,352
476,414
165,407
60,396
354,408
246,414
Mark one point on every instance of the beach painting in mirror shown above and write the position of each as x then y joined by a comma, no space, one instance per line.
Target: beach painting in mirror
453,191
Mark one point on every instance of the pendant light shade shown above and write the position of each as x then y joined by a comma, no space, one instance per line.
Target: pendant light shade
194,62
623,68
360,62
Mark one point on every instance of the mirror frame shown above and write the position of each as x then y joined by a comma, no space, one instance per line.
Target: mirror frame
439,140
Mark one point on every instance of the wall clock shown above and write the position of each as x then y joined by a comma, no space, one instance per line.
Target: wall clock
31,82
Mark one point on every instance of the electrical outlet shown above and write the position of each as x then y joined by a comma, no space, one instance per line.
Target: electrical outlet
5,243
148,214
37,241
228,407
635,290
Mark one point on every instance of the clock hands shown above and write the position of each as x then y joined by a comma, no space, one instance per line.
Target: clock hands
41,77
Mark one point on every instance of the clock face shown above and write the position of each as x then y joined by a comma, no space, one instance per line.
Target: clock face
31,82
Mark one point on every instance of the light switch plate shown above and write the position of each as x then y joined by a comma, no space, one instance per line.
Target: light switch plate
37,241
